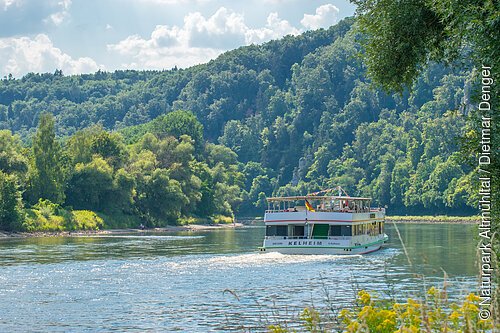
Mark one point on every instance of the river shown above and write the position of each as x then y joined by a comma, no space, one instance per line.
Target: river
211,281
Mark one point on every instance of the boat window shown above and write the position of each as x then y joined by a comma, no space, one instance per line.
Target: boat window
276,230
298,230
320,231
335,230
346,230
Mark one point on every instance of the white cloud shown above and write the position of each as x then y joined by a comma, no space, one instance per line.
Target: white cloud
275,28
167,47
7,3
31,16
59,17
326,15
19,17
198,40
223,30
19,56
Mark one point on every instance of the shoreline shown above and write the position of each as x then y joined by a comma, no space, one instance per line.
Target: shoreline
205,227
88,233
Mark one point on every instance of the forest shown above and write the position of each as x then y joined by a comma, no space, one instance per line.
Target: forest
291,116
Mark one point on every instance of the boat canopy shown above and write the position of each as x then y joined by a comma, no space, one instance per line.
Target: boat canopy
327,203
317,197
319,203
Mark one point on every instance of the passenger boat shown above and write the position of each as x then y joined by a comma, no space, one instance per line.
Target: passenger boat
323,224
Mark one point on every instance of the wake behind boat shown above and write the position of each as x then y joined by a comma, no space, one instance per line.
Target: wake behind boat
321,224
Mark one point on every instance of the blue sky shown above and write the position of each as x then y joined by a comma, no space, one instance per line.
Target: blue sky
82,36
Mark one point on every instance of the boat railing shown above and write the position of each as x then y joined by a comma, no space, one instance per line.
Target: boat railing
305,237
281,211
359,210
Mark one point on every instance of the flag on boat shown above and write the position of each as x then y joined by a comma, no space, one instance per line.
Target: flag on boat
309,207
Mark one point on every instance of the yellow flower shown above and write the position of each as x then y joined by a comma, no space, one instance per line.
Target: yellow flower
472,298
455,316
364,297
432,291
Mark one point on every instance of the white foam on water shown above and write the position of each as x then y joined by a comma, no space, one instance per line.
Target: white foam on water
154,237
252,260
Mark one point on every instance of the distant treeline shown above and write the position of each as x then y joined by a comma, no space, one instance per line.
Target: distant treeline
290,116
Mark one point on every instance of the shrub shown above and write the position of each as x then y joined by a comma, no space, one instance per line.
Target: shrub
48,216
86,220
221,219
37,220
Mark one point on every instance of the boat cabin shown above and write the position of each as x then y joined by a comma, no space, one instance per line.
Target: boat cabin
322,217
315,224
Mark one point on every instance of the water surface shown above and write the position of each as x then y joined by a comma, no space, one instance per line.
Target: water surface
210,280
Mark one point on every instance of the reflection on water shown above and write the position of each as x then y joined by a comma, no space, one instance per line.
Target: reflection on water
180,281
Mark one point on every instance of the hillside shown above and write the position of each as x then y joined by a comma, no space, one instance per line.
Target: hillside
298,112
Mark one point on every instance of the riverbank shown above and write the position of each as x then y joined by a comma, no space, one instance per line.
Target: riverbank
433,219
201,227
86,233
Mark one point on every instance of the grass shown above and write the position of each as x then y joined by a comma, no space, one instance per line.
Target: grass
86,220
37,220
119,220
46,216
46,220
221,219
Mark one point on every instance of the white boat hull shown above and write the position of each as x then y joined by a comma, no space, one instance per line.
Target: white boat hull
320,247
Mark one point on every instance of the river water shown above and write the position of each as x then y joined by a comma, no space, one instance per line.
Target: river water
212,281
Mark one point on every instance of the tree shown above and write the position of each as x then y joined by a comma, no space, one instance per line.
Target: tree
220,154
161,199
46,174
123,190
403,35
206,205
12,159
90,184
10,203
110,147
260,184
95,140
180,123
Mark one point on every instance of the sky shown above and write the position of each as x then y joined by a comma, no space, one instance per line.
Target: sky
82,36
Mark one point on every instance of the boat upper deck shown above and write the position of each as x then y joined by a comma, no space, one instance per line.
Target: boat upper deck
314,203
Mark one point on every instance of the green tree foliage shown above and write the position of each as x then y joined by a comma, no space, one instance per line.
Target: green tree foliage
96,141
10,203
12,154
179,123
90,185
46,178
160,199
403,36
243,139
